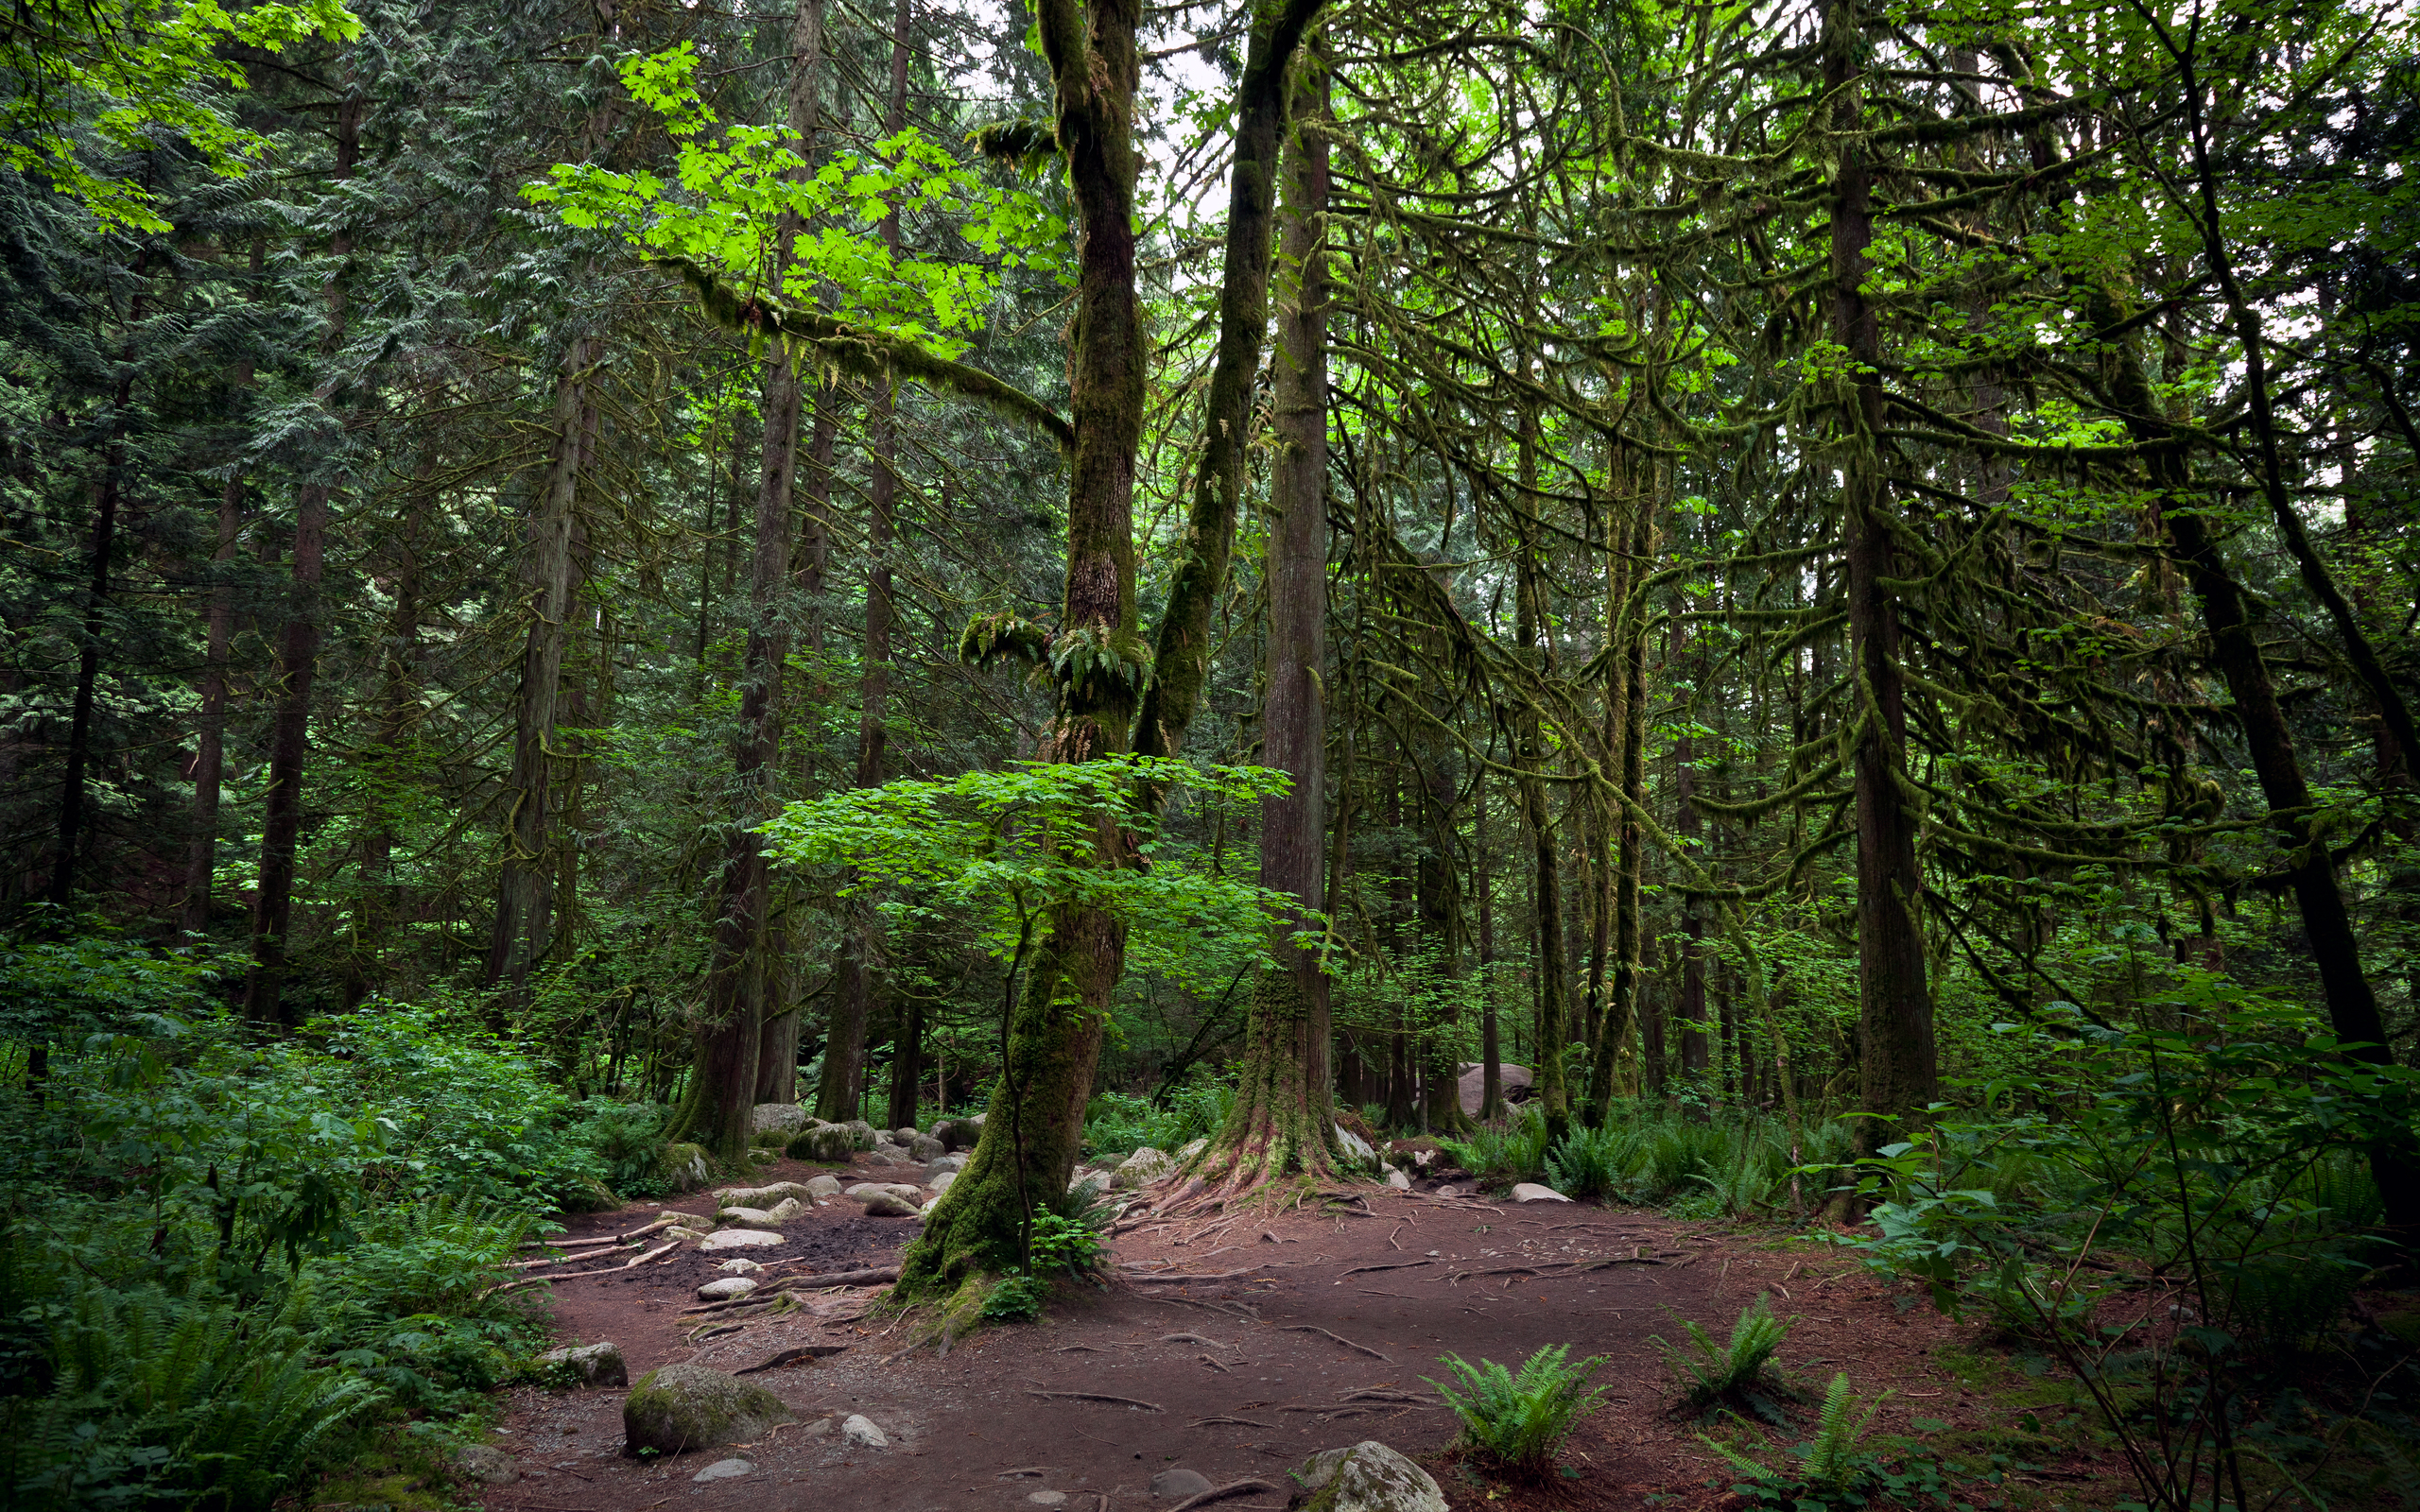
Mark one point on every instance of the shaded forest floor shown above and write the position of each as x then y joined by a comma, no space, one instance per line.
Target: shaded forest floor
1247,1375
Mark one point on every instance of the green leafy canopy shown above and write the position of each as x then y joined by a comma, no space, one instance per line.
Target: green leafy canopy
1006,845
734,186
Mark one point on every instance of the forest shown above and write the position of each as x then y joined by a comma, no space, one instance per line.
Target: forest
1800,616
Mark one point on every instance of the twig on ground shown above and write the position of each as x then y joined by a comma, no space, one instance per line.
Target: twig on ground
1093,1396
803,1351
1238,1422
1357,1348
1399,1264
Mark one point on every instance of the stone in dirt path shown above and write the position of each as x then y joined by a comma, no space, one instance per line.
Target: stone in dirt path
1317,1333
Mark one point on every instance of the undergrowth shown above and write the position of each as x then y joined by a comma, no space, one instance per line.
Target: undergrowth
1518,1423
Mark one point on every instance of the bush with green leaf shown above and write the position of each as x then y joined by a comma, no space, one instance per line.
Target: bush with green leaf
1834,1467
1736,1372
1588,1163
1517,1423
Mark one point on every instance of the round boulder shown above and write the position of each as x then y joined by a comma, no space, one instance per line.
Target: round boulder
589,1365
1367,1477
682,1407
1142,1168
831,1144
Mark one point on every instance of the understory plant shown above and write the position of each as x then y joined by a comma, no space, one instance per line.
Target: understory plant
2176,1206
1736,1373
1834,1468
1517,1423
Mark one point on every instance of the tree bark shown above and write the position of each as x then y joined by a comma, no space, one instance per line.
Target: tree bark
1549,962
1898,1075
296,666
731,1033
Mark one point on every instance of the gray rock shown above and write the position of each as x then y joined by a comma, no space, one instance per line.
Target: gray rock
747,1217
832,1144
906,1134
1047,1498
789,1208
865,1132
1532,1191
1142,1168
1185,1156
1367,1477
739,1267
942,1183
591,1364
859,1429
889,1155
887,1205
1472,1085
897,1189
1398,1180
765,1196
682,1167
725,1290
824,1188
958,1133
714,1244
682,1407
925,1147
723,1469
1094,1180
947,1162
1177,1483
488,1465
1355,1145
786,1117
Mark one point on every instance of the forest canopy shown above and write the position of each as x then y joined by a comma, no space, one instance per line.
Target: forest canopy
1836,571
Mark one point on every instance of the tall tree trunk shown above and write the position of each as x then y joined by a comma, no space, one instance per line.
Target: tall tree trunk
1626,749
2235,650
1898,1075
219,635
1035,1129
106,496
1531,612
523,930
730,1032
297,665
1490,1042
861,951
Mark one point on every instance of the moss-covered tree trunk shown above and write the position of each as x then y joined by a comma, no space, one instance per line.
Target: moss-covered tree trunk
1897,1070
1034,1128
1283,1122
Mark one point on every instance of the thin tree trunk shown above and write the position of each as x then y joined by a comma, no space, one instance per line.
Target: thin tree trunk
210,747
296,666
861,951
522,933
1491,1044
1553,988
731,1033
106,498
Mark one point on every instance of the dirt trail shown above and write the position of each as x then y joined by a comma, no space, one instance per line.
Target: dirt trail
1322,1339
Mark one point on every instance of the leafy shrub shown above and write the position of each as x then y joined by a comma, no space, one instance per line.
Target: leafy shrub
1834,1465
1068,1244
1732,1373
158,1399
1588,1163
1515,1152
1116,1124
1015,1297
1518,1423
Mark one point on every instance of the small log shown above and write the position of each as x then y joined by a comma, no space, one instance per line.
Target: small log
1400,1265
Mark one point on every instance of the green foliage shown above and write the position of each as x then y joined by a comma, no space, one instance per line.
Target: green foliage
1835,1469
132,74
1587,1163
1517,1423
1067,1245
1002,847
735,186
1513,1151
1116,1124
160,1400
1734,1373
1015,1296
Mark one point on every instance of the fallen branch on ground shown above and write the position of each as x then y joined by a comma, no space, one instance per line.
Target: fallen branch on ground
1093,1396
1238,1422
804,1352
802,1283
1357,1348
1400,1265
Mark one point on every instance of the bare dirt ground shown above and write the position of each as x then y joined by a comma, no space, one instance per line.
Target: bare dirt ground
1316,1330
